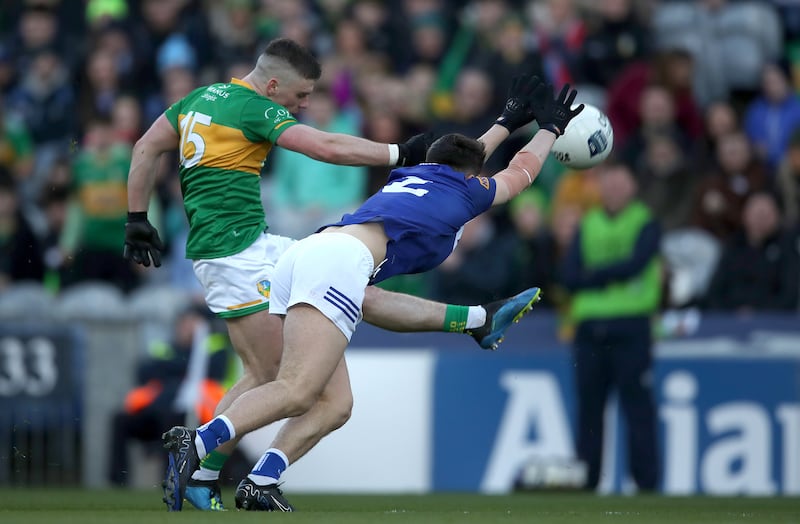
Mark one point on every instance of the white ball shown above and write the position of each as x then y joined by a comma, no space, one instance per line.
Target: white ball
587,141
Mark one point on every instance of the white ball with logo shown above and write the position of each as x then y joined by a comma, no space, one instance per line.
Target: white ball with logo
587,141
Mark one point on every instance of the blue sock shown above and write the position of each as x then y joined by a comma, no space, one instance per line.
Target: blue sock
217,432
268,470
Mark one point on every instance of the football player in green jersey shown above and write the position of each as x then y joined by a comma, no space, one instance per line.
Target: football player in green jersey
223,133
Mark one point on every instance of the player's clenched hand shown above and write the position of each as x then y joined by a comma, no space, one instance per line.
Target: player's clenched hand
518,110
413,151
554,113
142,242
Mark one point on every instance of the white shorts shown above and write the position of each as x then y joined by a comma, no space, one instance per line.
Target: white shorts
238,285
329,271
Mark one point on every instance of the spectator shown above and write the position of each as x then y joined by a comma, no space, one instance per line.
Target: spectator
45,101
720,196
38,30
115,39
535,253
230,23
126,119
615,37
559,33
54,203
510,55
100,88
667,181
669,69
176,82
729,41
153,403
350,61
375,19
772,117
475,31
760,266
613,270
91,238
8,70
472,109
20,252
576,188
720,119
566,218
16,146
788,182
657,118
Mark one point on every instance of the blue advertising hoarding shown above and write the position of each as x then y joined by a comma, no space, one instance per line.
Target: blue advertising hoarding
728,400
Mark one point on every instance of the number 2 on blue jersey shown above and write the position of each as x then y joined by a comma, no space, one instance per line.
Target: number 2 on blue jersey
401,186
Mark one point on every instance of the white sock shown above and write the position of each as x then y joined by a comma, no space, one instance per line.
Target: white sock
205,474
476,317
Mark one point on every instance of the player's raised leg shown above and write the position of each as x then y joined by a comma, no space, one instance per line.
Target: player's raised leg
486,323
501,314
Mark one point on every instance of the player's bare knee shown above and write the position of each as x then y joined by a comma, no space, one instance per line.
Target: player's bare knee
299,400
340,411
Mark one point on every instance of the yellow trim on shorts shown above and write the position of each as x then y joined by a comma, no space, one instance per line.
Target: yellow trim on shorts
246,304
244,309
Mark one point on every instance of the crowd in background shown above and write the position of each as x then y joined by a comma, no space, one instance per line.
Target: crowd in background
702,95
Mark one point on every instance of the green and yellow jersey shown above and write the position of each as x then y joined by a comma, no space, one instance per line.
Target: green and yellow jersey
226,131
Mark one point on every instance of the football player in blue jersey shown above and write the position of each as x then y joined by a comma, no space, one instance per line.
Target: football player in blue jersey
411,225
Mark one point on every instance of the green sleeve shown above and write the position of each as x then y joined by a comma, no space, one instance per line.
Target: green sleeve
172,113
264,120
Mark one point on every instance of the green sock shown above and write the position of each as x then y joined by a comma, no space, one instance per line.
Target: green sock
455,318
210,466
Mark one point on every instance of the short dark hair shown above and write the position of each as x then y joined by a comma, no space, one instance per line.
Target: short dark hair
460,152
300,58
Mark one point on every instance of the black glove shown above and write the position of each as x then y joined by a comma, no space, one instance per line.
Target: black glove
553,114
413,151
142,241
518,110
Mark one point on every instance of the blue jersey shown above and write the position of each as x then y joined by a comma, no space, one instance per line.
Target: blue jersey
423,210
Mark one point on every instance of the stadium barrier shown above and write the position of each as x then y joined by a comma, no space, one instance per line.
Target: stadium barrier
41,404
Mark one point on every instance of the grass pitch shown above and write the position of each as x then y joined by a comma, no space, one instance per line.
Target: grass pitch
65,506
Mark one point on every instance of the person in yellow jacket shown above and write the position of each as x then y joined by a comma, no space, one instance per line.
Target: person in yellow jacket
613,272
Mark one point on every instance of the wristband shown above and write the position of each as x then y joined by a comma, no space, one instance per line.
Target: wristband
394,154
137,216
552,128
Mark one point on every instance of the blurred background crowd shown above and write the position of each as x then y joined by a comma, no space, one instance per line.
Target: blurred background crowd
702,95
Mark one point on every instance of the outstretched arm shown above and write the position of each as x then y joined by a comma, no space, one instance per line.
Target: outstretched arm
342,149
524,167
553,115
